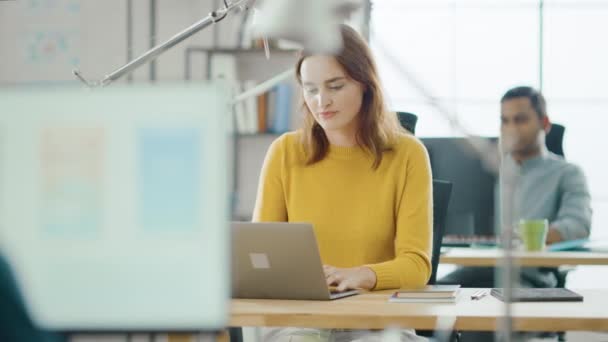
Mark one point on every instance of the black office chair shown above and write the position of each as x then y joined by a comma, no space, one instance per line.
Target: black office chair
442,191
555,139
408,121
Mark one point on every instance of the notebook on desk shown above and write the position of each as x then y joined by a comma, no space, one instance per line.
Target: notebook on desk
428,294
539,295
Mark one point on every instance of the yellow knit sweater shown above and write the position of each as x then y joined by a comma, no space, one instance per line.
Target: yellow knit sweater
380,218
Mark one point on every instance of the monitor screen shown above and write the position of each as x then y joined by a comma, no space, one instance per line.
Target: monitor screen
471,208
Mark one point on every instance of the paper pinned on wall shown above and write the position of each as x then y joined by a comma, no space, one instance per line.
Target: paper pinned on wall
71,173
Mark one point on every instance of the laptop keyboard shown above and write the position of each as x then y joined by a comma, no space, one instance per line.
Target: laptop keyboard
468,240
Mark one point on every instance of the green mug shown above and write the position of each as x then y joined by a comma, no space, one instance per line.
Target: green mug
533,234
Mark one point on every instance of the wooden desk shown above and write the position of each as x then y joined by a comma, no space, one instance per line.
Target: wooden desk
492,257
372,311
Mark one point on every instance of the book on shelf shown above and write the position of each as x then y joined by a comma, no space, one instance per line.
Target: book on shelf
282,108
251,110
240,112
271,100
271,112
263,113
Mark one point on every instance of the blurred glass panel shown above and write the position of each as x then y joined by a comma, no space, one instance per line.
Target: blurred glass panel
496,48
575,49
420,38
430,122
480,117
585,123
465,53
114,205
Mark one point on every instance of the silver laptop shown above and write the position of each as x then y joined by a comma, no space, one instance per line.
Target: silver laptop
278,261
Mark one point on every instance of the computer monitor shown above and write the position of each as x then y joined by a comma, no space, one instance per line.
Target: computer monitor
471,208
114,205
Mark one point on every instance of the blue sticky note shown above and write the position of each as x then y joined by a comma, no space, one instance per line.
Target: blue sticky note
169,179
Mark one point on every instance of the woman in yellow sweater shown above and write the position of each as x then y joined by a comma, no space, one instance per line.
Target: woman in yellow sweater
361,180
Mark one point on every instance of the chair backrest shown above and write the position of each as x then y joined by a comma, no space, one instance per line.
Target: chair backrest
555,138
408,121
442,192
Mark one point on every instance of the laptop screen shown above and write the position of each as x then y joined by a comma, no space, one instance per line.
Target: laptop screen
114,205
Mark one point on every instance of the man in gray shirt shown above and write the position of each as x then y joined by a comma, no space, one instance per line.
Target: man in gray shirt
537,184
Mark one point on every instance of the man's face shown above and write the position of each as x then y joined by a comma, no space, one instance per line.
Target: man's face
520,126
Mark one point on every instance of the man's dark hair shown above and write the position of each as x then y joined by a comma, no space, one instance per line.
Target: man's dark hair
536,98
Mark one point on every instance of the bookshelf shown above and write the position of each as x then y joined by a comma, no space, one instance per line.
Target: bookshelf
278,57
249,153
249,148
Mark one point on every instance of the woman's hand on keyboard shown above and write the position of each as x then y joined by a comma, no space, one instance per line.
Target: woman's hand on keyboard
350,278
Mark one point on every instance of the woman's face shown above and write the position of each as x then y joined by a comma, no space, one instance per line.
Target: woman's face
333,98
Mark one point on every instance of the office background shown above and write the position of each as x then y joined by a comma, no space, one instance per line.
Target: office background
468,53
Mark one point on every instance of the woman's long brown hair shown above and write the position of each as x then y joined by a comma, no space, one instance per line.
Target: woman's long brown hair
378,128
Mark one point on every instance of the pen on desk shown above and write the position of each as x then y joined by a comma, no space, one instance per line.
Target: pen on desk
479,294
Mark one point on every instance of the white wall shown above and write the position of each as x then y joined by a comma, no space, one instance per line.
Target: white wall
95,37
29,35
92,35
